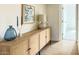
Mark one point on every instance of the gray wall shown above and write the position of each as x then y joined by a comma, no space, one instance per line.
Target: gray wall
54,20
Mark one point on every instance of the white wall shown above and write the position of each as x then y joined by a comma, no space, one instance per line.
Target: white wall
54,21
8,14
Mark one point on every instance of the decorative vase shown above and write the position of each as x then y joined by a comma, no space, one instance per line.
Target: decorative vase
43,23
10,34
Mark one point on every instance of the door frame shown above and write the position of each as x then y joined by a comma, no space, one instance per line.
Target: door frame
76,22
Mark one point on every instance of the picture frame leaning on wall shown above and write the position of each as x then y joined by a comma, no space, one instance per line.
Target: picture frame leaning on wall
28,14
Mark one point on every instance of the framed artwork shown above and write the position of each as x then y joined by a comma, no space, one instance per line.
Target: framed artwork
28,14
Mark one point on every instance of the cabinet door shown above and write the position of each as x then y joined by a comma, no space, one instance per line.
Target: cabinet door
20,48
42,38
34,44
48,35
4,50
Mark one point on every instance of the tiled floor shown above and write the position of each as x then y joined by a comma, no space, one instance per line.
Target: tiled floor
63,47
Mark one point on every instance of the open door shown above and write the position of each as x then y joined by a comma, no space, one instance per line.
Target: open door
69,22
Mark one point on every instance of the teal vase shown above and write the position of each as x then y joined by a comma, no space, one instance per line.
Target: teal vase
10,34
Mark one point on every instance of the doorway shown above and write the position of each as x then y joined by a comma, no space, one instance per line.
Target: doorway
69,22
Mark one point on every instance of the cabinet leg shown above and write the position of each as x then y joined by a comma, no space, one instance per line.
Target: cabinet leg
50,42
39,53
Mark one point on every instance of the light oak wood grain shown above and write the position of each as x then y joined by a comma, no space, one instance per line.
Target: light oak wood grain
34,44
42,39
48,35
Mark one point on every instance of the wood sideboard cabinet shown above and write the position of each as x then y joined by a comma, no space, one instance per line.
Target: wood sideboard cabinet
28,44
